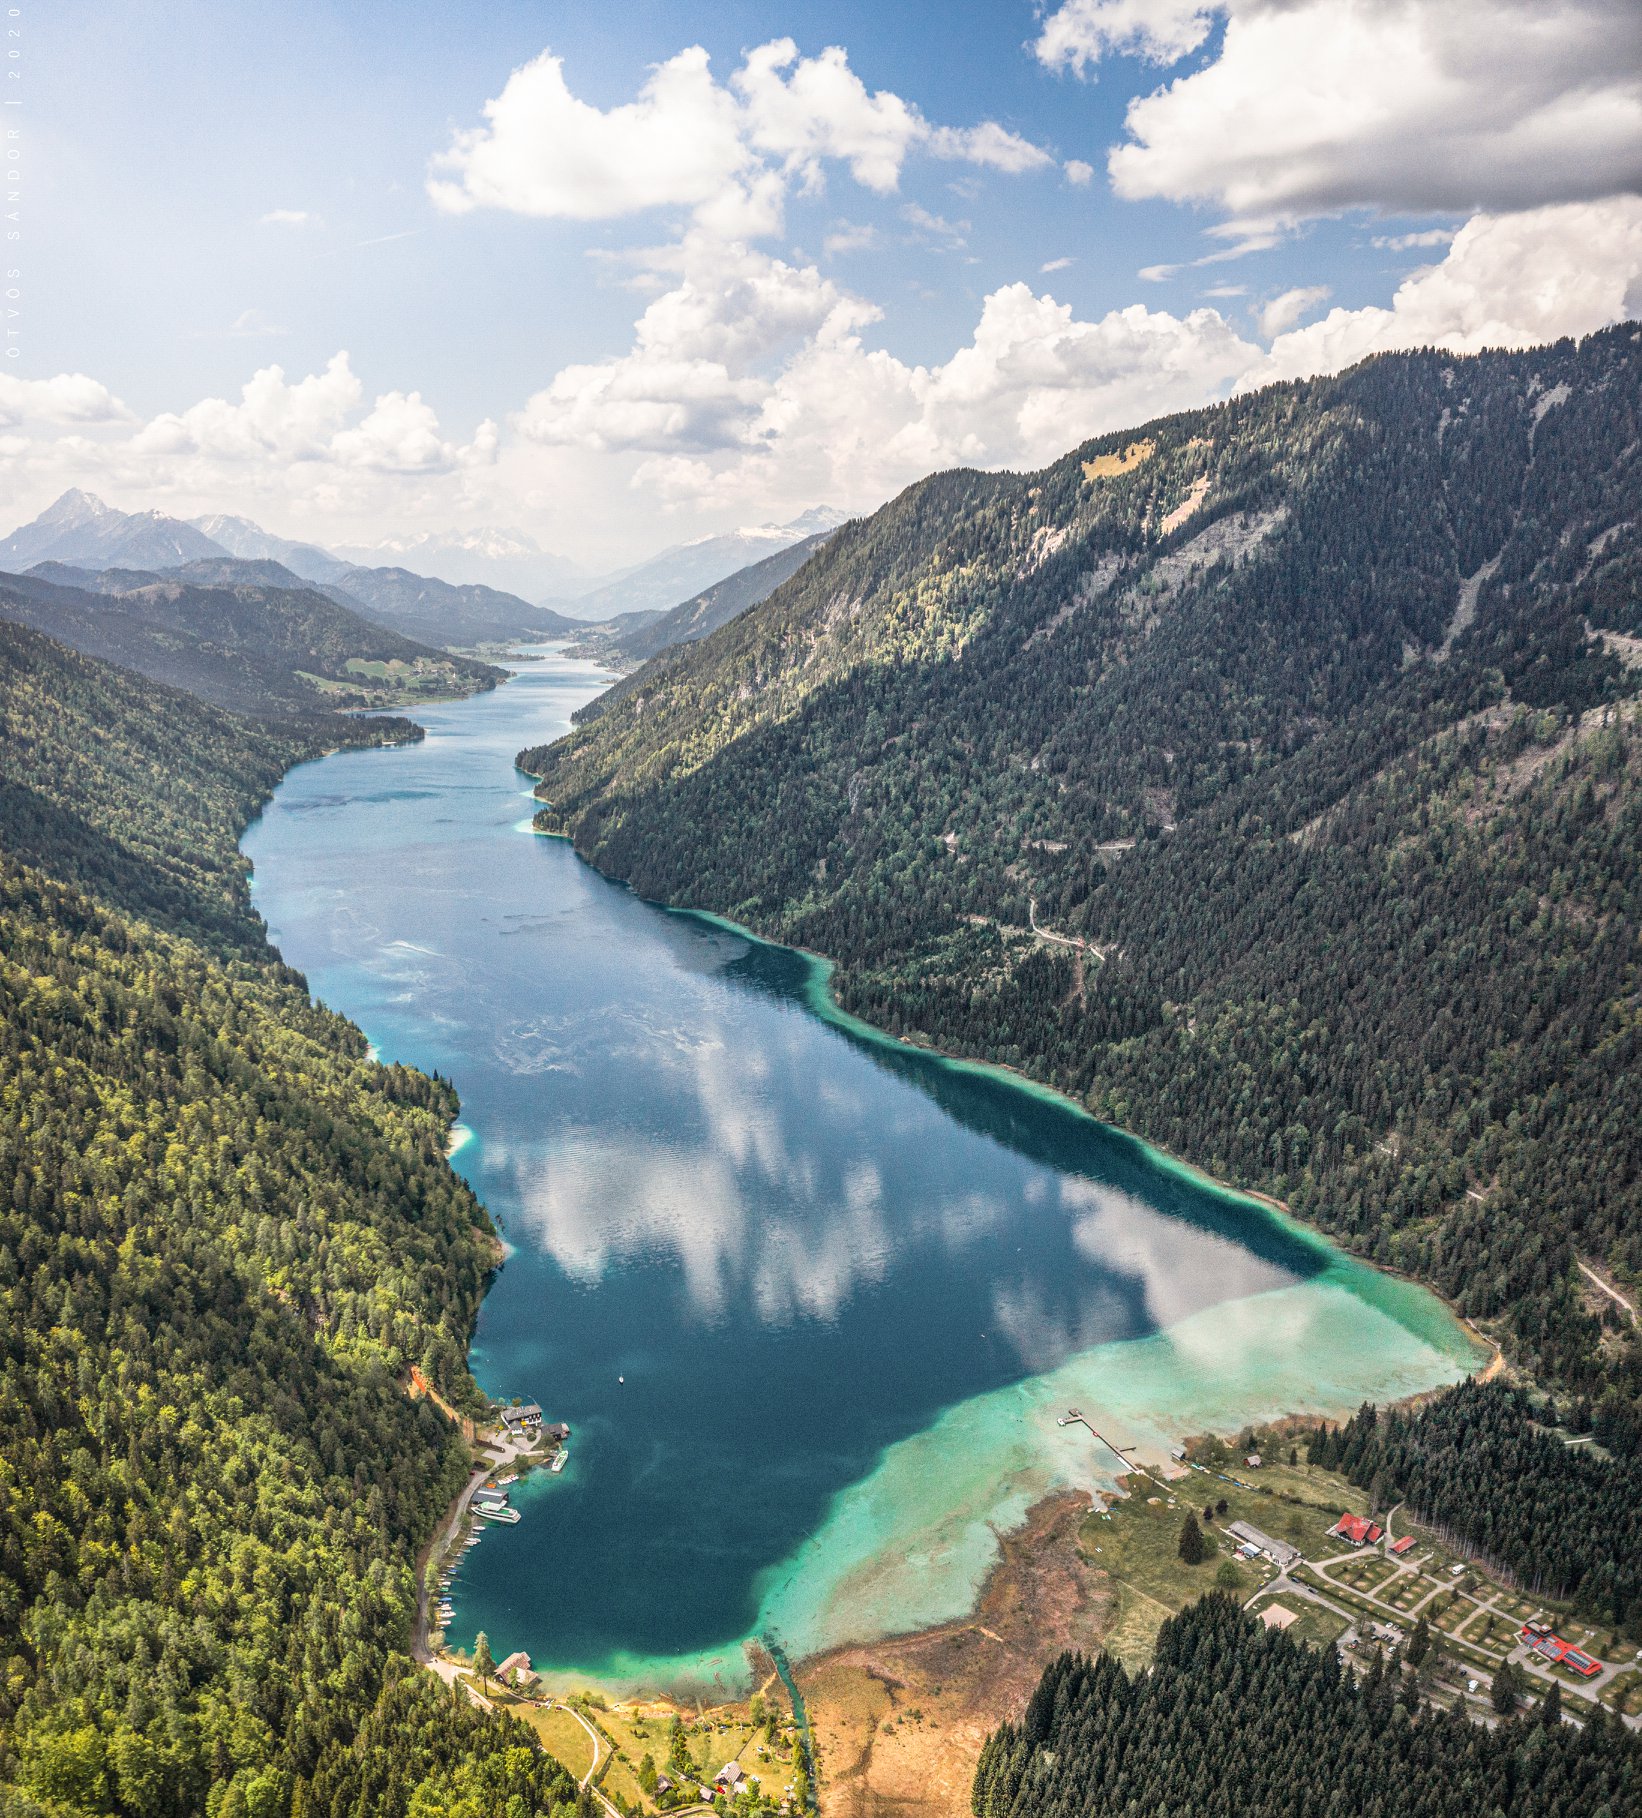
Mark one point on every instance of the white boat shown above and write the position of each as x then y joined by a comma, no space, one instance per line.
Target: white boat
560,1459
499,1514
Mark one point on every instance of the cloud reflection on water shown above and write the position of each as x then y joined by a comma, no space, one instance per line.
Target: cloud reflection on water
768,1185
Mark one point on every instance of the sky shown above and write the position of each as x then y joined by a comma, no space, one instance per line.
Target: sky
619,277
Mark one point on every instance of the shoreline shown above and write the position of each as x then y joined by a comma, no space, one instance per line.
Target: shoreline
819,995
826,1004
823,1000
910,1549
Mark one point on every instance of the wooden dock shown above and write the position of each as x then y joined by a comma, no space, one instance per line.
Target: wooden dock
1075,1417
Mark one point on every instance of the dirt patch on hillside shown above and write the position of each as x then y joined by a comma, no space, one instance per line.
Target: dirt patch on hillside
1109,466
899,1724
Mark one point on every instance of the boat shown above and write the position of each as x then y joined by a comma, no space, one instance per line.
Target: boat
560,1459
503,1482
500,1514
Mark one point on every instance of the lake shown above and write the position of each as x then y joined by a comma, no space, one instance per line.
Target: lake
811,1300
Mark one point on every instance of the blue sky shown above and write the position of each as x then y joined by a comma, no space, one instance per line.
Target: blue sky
209,192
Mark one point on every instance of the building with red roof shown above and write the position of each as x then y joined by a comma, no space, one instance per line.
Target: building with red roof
1358,1529
1559,1652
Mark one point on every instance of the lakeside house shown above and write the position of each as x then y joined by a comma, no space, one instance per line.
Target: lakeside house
1252,1540
515,1668
520,1417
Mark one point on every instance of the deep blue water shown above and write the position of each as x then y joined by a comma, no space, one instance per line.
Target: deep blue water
797,1244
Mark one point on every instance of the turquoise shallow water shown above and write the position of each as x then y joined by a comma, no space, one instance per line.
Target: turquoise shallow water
811,1300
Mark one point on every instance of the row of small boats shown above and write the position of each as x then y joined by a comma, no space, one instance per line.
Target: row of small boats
489,1503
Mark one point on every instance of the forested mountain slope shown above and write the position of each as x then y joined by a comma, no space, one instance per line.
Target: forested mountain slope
225,1235
1565,1521
448,615
1235,1720
1308,728
255,647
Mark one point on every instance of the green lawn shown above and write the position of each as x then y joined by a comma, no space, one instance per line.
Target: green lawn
1139,1546
562,1736
1624,1694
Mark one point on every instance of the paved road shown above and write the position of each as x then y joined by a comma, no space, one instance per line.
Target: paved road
503,1452
1521,1655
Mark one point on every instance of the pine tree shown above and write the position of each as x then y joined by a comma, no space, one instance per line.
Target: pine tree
484,1663
1194,1548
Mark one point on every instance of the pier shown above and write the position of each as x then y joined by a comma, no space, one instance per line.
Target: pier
1075,1417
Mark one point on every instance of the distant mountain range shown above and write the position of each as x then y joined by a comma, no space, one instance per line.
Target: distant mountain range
455,609
447,613
688,569
273,644
240,537
82,530
511,561
637,637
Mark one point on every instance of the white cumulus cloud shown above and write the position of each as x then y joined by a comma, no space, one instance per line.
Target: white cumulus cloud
1311,106
1507,281
1284,311
305,450
1080,33
727,152
757,385
69,398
